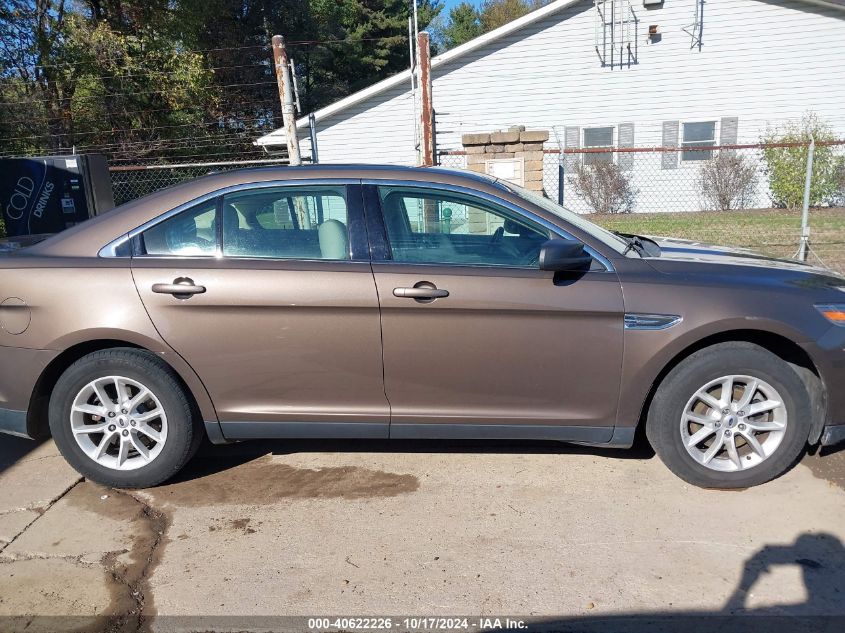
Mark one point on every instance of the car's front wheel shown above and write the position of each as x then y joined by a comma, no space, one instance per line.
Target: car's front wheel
121,418
731,415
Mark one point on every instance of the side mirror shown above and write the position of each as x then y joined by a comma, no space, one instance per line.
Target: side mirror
561,255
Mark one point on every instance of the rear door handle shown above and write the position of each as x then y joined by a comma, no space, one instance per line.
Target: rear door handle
420,293
181,287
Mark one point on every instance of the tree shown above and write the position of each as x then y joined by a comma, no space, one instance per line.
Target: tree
172,79
786,167
496,13
464,24
35,90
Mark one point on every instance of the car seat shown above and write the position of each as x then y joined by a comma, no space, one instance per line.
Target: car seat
334,240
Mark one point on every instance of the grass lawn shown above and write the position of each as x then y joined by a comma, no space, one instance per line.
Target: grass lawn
773,231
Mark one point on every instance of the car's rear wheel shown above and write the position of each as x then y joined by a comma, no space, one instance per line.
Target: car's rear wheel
731,415
121,418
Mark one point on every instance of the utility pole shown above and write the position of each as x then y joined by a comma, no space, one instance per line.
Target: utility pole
280,58
426,107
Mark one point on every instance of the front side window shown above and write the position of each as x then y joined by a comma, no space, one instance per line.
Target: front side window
286,223
700,134
190,233
437,227
598,137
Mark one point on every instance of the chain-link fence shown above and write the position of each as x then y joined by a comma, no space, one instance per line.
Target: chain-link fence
724,195
747,196
132,182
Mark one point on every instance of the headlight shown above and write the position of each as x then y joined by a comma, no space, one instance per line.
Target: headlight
833,312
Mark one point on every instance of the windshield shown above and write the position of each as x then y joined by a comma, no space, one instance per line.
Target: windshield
616,242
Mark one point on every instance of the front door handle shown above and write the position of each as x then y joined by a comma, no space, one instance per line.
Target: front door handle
422,292
182,288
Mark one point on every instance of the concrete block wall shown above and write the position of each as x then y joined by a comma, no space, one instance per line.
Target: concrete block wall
515,142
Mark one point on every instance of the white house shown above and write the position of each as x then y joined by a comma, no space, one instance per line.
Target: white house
641,73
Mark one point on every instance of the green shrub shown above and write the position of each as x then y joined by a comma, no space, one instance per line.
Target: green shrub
786,167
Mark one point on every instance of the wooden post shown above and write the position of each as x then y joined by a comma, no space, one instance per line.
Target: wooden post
280,58
426,106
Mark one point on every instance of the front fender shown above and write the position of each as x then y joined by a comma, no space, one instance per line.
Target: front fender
649,354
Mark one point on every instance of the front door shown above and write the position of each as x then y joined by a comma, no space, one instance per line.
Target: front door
268,293
478,342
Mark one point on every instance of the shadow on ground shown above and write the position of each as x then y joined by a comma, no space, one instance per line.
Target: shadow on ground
14,449
213,459
821,561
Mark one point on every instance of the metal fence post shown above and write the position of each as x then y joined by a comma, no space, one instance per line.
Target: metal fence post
805,215
560,176
312,125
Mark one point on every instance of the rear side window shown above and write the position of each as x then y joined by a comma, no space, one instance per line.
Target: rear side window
191,233
286,223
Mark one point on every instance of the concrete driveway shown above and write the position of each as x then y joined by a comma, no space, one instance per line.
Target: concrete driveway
549,533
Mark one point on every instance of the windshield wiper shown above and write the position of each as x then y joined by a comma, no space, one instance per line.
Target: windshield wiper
634,244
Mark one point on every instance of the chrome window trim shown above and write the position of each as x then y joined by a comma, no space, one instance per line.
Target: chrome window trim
109,249
555,229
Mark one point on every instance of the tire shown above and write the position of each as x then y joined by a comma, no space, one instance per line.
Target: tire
670,429
176,424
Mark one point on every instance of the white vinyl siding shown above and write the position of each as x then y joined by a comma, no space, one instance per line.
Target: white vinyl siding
751,70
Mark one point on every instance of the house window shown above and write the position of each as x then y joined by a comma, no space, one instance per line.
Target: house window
698,134
595,137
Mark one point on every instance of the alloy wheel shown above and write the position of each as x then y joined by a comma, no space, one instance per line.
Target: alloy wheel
119,423
733,423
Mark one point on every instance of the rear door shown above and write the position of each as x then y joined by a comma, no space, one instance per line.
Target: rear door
268,293
478,342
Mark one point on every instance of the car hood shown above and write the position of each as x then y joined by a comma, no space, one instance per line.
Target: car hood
675,249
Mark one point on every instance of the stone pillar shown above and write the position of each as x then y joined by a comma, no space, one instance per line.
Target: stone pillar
516,142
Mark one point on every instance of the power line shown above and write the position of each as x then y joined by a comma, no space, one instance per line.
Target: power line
271,117
158,73
349,40
119,147
177,52
183,156
173,52
244,106
129,94
165,144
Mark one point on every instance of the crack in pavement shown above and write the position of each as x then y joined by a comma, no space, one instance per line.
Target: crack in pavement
126,578
132,602
78,559
41,512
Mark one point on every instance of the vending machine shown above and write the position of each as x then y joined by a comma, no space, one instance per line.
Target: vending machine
51,193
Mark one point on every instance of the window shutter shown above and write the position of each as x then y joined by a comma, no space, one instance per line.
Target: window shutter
729,132
571,140
671,129
625,160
